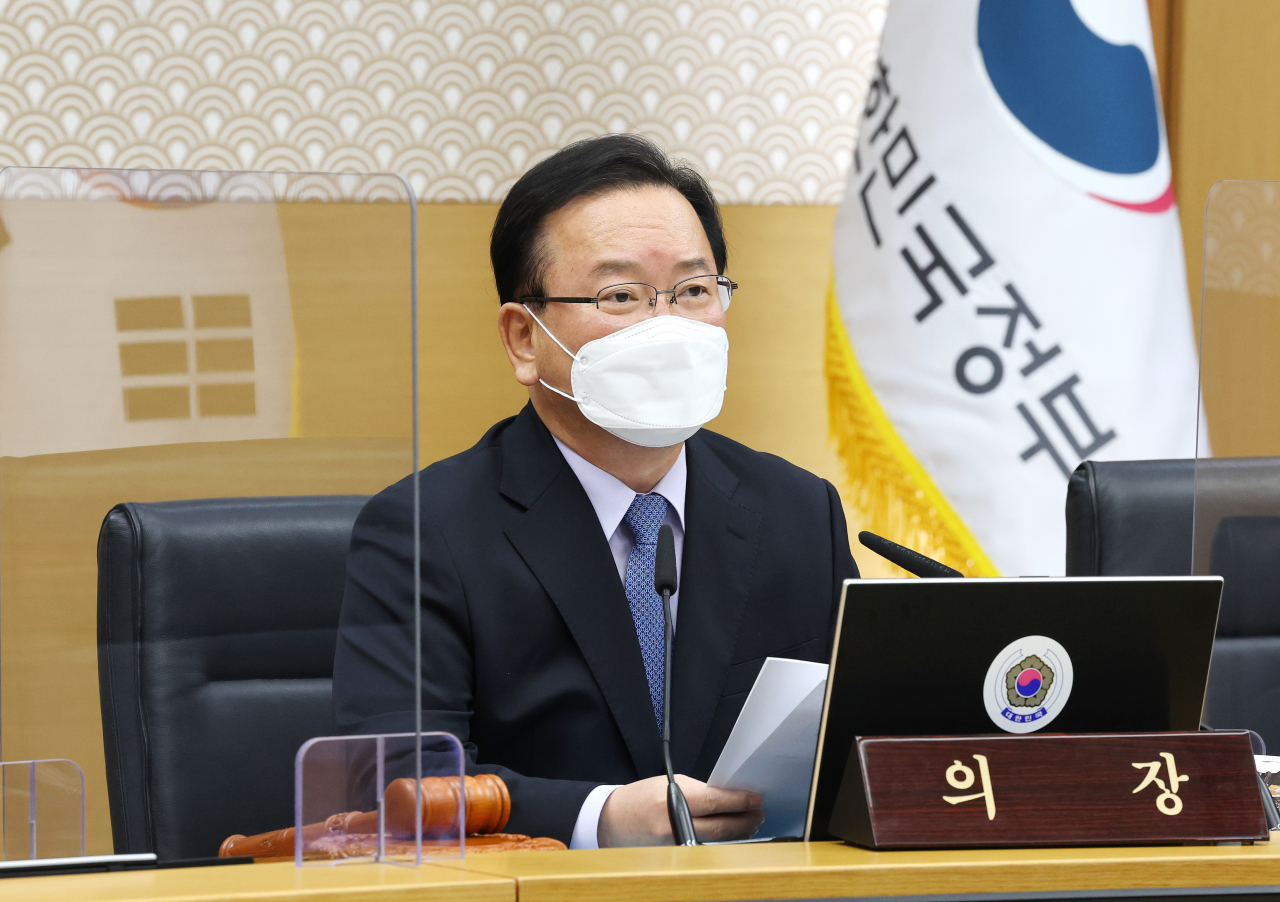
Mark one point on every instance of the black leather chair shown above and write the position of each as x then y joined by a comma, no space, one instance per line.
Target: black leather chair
1134,518
217,622
1130,518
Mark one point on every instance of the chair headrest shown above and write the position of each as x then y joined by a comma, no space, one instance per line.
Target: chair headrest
246,572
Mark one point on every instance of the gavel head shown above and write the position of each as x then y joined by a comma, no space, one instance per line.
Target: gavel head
488,806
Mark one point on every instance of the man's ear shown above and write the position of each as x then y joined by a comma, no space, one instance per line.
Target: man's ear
516,325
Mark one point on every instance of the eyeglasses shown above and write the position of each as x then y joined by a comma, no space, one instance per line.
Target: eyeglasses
697,298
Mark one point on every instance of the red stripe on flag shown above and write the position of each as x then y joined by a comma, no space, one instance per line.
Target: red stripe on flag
1159,205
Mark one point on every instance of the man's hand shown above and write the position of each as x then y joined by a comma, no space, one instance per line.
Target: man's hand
636,814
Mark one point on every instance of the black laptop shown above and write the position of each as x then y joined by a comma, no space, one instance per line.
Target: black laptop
940,657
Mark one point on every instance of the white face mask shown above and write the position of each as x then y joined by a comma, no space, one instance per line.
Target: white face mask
652,384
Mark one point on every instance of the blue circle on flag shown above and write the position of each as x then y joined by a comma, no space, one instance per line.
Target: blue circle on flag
1088,99
1029,682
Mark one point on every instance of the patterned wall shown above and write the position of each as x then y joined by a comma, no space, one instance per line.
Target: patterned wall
1242,237
762,95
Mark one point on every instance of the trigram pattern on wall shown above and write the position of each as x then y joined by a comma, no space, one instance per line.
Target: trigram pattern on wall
186,356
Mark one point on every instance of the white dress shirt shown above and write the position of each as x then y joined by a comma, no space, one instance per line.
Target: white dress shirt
611,498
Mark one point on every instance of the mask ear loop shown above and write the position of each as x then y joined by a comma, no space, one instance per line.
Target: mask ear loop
563,348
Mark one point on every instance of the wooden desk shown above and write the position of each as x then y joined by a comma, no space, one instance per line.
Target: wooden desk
720,873
832,870
280,882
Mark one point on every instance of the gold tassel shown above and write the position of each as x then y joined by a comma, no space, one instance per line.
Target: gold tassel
886,488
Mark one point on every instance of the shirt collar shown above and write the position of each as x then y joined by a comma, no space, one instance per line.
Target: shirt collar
611,497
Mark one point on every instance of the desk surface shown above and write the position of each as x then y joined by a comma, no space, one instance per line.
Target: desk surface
277,882
834,870
758,871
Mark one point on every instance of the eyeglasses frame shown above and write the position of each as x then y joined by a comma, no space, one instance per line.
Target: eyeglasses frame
657,292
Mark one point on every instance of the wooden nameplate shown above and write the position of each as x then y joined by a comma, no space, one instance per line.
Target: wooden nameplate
1049,790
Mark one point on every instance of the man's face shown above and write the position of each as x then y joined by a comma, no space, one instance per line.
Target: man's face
649,234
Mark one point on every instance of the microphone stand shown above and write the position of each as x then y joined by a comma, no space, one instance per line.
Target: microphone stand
682,830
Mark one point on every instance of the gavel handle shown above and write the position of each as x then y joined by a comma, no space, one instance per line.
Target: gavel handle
280,843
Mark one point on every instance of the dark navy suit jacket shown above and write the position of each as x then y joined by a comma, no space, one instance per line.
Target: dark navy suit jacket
529,652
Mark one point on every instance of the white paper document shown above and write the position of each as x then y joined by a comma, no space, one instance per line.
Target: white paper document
772,747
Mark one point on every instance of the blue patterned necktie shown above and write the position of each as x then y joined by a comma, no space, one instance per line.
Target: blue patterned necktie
645,518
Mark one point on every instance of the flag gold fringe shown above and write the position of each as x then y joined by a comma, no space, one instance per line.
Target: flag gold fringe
886,487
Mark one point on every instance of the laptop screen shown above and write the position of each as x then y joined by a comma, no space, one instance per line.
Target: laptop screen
921,657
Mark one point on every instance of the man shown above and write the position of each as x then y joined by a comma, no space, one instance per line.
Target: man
541,631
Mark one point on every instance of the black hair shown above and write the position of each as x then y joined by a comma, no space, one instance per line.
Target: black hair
586,168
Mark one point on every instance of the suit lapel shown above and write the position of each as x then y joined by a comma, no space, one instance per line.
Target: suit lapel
560,539
721,546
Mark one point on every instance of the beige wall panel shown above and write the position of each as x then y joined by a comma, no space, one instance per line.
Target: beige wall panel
349,278
1229,95
465,381
777,398
1227,89
1241,376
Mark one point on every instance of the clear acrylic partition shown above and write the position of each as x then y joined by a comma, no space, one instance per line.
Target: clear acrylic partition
41,810
354,804
168,336
1237,474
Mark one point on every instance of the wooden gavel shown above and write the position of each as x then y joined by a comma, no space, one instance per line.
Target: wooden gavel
487,801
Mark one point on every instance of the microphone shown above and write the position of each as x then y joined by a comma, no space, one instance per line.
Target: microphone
664,582
911,561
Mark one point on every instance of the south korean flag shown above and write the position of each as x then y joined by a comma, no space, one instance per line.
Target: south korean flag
1010,295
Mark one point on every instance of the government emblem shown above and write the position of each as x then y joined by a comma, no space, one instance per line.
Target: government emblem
1028,684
